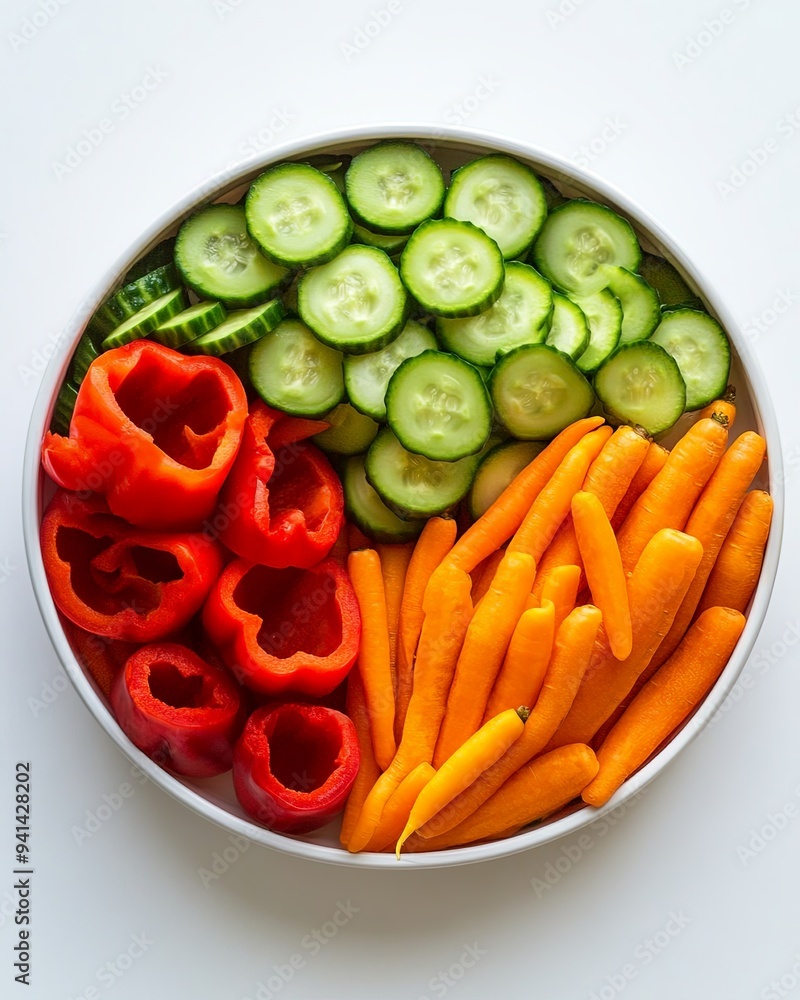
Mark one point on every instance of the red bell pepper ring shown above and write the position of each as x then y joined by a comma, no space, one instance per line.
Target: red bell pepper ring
294,766
184,713
154,431
115,580
279,630
282,504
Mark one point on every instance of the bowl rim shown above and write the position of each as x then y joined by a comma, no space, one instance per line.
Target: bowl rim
306,144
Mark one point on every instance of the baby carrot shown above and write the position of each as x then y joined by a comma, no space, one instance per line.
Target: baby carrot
368,770
470,760
654,460
655,591
398,808
431,547
571,652
603,566
448,609
364,567
725,406
668,500
484,647
551,506
394,565
560,587
738,567
505,515
535,791
522,673
666,700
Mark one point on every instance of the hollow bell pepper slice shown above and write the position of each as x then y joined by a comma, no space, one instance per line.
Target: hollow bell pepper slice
153,431
280,630
294,766
115,580
183,712
282,504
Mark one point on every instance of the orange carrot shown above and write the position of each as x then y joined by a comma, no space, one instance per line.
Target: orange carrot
571,652
458,772
725,406
505,515
448,609
551,506
394,565
666,700
560,587
430,549
670,497
535,791
604,572
709,523
655,591
398,808
654,460
738,567
522,673
364,567
483,575
485,646
368,770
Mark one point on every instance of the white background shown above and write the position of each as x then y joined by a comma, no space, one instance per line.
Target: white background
689,103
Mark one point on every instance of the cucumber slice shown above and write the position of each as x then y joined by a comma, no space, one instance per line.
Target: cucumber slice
521,315
365,508
218,260
145,320
497,470
503,197
452,268
366,376
641,312
603,313
131,298
84,355
537,391
190,324
412,485
350,432
334,166
240,327
394,186
356,302
569,331
389,244
577,240
641,384
63,409
161,254
438,406
701,350
672,290
293,371
297,215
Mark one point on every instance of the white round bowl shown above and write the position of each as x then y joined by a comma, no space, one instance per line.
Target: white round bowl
214,798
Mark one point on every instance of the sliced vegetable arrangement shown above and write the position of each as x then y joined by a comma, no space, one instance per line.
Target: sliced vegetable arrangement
358,498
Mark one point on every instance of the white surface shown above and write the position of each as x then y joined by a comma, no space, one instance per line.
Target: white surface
236,71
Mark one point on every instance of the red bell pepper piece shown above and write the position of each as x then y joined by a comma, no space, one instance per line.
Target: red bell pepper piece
282,504
154,431
279,630
115,580
294,766
182,712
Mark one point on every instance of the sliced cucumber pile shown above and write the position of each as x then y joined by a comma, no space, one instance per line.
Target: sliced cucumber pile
419,316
